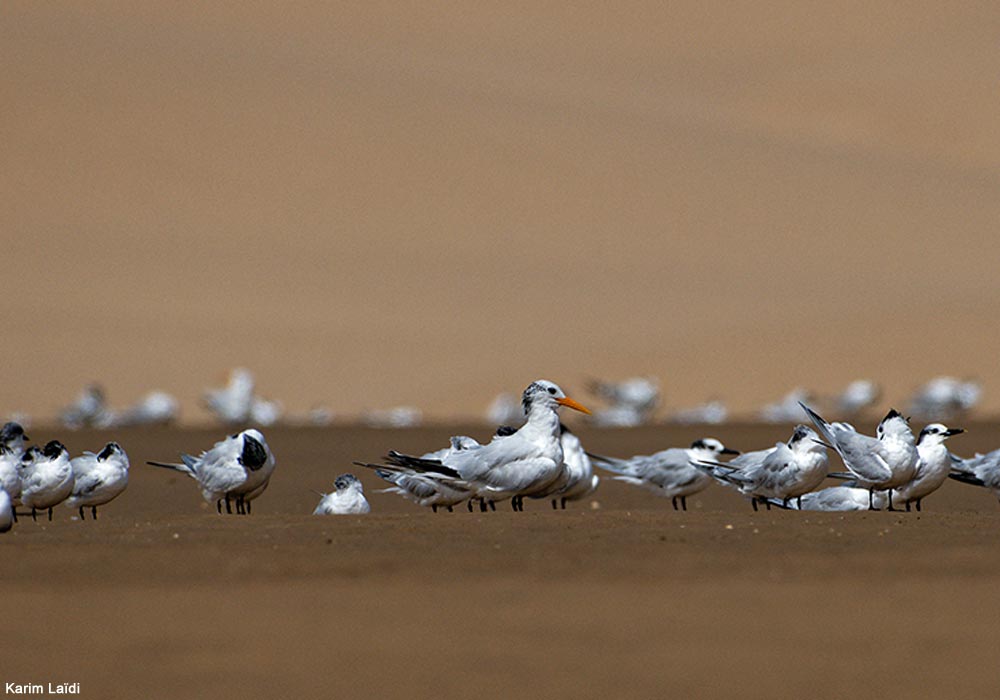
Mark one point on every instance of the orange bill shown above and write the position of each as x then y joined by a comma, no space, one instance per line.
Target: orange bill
570,403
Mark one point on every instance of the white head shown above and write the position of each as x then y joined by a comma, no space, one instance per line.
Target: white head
52,451
895,427
543,393
710,448
113,452
346,482
936,434
12,438
805,439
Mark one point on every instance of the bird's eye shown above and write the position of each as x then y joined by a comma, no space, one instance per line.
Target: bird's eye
552,390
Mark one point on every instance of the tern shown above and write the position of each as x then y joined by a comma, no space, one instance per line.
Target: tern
237,468
669,472
428,489
520,465
786,471
835,499
12,445
933,467
46,477
886,461
348,498
98,478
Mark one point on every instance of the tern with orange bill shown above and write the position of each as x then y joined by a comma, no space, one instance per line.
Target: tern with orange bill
526,463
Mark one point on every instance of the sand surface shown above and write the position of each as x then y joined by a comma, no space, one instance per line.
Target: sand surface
161,598
374,204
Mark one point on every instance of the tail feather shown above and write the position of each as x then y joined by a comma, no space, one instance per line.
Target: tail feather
611,464
821,425
413,464
966,478
182,468
843,476
720,471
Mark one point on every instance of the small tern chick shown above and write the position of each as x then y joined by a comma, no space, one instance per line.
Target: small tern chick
933,467
98,478
668,473
786,471
886,461
348,498
46,477
237,468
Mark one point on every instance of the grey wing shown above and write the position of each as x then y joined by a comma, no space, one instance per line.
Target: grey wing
84,464
862,456
85,484
751,460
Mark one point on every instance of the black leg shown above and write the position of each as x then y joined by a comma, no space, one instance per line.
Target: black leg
450,510
33,518
81,513
673,502
767,504
919,500
907,506
753,502
469,503
784,502
871,499
684,503
513,504
93,511
434,508
218,506
482,505
564,503
50,514
798,502
229,508
493,506
247,507
890,500
554,504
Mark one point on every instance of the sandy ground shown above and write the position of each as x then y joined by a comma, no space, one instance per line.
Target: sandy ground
162,598
736,199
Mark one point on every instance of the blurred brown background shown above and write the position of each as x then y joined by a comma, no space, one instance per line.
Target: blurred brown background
385,203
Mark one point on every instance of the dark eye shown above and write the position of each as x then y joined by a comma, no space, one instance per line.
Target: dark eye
552,390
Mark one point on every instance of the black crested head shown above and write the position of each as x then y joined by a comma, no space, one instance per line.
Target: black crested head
699,445
11,430
505,431
30,454
893,413
254,455
344,481
53,449
108,451
800,433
